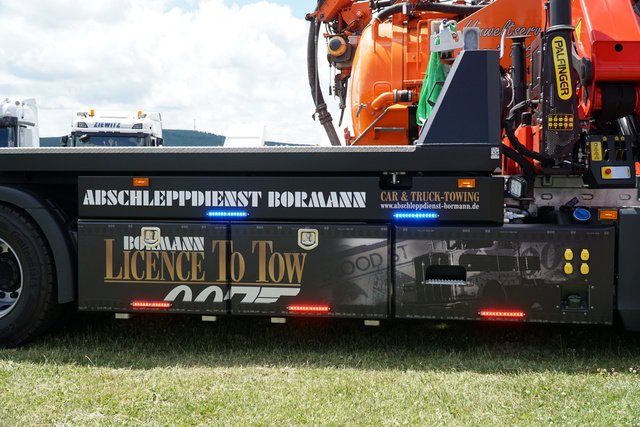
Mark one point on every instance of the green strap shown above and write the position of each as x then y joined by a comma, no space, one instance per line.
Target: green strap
430,90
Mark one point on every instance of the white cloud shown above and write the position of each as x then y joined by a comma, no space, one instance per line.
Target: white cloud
210,61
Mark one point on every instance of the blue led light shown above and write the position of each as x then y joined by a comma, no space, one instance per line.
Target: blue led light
415,215
227,214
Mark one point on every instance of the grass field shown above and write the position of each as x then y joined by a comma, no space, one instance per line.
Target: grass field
245,371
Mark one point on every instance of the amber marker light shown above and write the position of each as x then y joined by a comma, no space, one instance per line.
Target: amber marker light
467,183
607,214
140,182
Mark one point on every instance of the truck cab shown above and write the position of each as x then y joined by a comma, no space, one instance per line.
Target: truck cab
114,130
19,123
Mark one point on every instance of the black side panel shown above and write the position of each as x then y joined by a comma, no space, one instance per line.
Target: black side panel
549,274
628,295
468,108
343,267
223,268
290,199
123,262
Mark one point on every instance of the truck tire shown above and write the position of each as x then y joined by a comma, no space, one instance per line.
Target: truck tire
28,302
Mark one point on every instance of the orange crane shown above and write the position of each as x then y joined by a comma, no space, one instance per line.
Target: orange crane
383,50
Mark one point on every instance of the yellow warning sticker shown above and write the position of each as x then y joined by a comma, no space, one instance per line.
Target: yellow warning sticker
596,151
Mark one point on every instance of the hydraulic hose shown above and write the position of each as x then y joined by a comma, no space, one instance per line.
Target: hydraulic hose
517,145
509,126
528,170
324,116
456,9
377,4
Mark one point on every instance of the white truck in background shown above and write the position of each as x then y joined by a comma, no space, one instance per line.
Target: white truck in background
19,123
114,130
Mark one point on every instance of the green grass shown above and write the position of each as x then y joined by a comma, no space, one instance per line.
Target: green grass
245,371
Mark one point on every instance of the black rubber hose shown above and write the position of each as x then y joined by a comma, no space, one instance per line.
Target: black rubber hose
458,9
455,9
324,116
312,54
517,145
528,170
377,4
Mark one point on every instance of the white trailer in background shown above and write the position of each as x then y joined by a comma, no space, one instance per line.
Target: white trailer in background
117,129
19,123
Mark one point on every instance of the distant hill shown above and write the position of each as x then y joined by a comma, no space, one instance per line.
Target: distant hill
175,138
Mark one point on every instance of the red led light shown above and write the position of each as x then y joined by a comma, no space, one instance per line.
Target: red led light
502,314
150,304
309,308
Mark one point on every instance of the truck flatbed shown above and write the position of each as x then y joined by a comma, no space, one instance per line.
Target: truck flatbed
361,159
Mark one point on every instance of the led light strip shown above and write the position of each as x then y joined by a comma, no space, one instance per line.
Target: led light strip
415,215
503,314
150,304
309,308
227,214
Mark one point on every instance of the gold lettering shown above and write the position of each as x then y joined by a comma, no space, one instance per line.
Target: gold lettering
109,262
425,196
389,196
196,265
134,265
262,257
168,264
295,266
237,266
222,258
179,268
127,264
276,257
151,265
